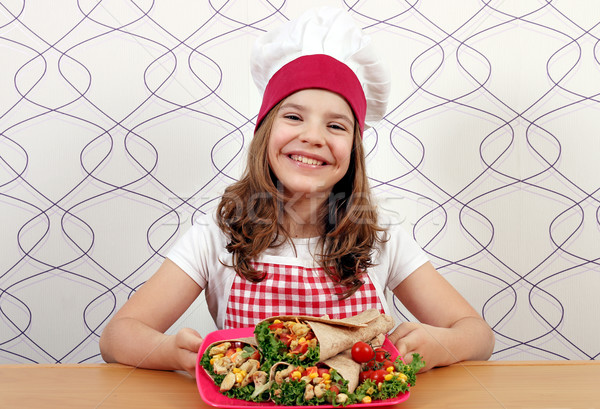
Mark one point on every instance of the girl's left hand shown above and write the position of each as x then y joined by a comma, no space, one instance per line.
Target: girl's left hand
448,330
426,340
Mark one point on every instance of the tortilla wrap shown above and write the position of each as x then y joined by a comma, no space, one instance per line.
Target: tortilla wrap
336,339
343,363
346,367
337,335
356,321
246,341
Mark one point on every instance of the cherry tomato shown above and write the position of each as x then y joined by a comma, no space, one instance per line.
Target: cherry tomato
371,364
381,354
387,363
334,388
378,375
364,375
362,352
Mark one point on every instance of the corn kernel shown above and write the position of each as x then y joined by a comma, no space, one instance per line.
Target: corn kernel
402,377
313,375
236,370
390,369
366,399
277,322
302,340
296,375
239,377
326,376
388,377
327,381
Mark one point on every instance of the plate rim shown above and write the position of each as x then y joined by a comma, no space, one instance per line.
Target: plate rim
207,392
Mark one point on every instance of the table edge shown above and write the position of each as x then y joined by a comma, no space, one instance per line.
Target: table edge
528,363
465,363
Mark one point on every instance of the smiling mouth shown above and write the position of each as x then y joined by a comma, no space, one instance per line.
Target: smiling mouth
308,161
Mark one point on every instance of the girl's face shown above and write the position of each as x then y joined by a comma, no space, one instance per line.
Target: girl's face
310,145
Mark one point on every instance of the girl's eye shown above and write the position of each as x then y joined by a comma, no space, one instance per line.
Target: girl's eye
293,117
337,127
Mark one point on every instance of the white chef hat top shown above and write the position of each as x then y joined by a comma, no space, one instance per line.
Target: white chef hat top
323,48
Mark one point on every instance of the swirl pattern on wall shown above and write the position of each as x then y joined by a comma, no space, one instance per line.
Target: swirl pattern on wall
120,121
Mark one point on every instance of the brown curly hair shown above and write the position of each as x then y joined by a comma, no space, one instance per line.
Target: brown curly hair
251,211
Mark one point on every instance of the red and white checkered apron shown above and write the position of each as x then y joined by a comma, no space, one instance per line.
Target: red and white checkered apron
293,290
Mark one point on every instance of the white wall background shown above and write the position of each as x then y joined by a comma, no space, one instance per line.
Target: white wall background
120,121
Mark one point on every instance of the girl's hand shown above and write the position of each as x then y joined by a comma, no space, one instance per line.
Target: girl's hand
448,330
135,335
426,340
187,343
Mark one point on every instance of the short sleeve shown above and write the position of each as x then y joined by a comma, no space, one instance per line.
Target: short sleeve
400,255
198,249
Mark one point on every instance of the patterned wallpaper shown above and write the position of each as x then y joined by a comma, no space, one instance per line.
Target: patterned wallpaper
120,121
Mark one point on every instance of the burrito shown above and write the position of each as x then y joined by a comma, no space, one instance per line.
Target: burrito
332,381
304,340
235,367
347,367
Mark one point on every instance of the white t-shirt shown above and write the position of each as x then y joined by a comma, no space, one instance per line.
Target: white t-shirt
201,253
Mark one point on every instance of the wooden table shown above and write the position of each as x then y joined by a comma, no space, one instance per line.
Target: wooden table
481,385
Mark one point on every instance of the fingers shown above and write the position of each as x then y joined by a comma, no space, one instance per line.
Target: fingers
406,346
188,341
402,331
407,358
407,340
425,340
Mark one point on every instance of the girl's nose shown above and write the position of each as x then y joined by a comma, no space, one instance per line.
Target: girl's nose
314,135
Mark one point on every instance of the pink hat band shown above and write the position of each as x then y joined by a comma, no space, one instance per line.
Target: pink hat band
315,71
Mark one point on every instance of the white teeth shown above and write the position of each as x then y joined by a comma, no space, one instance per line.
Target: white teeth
308,161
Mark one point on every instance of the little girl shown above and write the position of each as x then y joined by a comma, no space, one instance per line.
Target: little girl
298,233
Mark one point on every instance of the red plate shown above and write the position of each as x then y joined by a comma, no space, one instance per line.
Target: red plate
210,392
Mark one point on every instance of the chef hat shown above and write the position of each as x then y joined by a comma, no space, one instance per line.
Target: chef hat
323,49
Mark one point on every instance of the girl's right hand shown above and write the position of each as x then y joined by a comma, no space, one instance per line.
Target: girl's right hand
135,335
187,343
